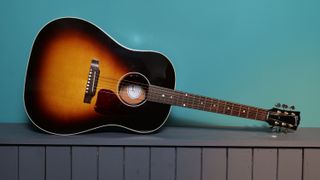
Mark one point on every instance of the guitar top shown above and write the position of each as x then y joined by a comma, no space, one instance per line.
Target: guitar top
79,79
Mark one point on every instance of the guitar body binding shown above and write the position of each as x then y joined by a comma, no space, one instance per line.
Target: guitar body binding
56,93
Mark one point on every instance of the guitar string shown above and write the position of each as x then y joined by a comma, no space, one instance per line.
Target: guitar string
172,92
250,111
257,115
175,92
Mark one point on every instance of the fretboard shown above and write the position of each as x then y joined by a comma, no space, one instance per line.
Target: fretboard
183,99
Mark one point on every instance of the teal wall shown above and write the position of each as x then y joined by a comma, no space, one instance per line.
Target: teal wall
257,52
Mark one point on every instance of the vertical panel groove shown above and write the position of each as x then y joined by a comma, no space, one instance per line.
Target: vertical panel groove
18,163
71,159
149,163
227,163
252,162
277,169
45,162
98,160
201,161
176,163
302,173
124,163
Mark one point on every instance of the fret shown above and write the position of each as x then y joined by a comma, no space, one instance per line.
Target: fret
236,110
243,111
224,107
257,112
207,104
214,105
179,99
228,108
202,100
198,102
190,100
169,96
195,102
261,115
211,105
252,113
220,107
185,99
193,106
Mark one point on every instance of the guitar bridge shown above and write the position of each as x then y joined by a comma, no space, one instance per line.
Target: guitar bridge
92,82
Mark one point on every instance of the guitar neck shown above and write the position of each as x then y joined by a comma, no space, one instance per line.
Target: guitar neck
183,99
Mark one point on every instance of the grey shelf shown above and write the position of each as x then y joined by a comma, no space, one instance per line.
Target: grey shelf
174,153
26,134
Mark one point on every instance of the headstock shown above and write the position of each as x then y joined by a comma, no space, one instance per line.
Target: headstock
283,116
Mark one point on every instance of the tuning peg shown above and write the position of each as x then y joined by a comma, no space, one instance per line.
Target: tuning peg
284,106
292,107
277,105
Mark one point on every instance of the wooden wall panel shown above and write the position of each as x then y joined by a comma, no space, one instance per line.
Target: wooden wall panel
162,163
155,163
31,162
137,163
289,164
264,164
188,163
311,164
84,163
214,163
9,162
58,163
239,164
111,163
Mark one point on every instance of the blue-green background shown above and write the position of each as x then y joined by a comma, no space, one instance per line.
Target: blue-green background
256,52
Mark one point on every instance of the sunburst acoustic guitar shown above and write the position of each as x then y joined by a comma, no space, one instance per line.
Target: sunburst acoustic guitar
79,79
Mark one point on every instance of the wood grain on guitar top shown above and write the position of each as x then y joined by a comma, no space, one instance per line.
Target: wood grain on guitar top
57,75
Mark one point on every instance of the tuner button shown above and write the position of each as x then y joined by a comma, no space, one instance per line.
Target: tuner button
293,114
277,105
283,124
290,125
284,106
292,107
286,113
276,123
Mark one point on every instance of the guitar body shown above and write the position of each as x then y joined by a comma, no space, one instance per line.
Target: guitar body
58,75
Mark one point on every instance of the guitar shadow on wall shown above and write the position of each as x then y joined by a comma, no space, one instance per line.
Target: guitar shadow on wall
174,121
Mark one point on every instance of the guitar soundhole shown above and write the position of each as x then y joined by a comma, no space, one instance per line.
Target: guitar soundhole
133,89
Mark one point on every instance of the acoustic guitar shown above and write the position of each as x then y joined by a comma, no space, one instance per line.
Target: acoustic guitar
79,79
